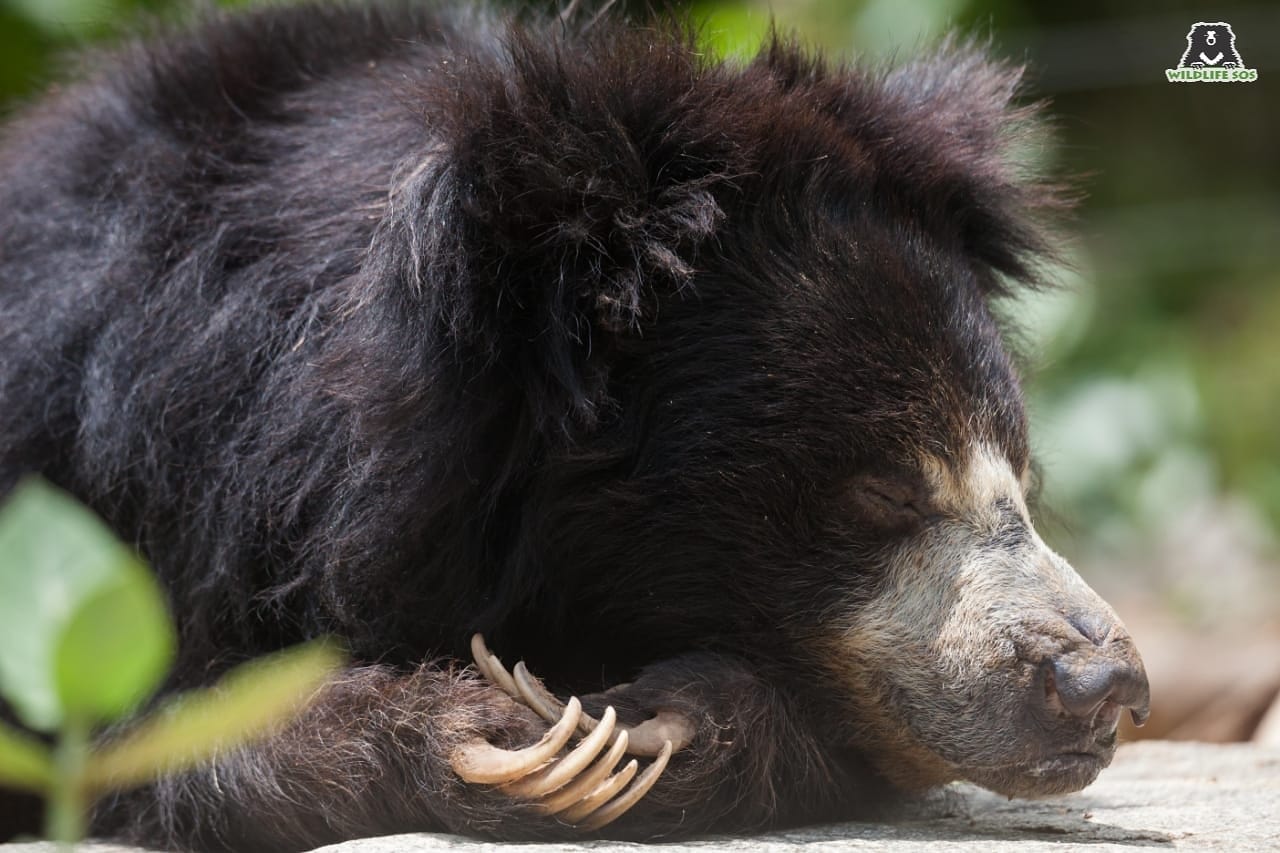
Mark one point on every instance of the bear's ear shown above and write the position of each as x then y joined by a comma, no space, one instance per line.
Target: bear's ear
571,185
949,141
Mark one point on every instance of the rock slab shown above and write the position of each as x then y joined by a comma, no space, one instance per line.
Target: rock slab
1157,795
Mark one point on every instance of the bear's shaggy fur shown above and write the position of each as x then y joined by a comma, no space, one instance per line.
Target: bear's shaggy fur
401,324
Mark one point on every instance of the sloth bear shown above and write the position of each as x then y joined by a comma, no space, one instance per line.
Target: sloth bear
677,378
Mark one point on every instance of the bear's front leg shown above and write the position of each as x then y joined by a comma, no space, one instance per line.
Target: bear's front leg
743,755
373,754
445,748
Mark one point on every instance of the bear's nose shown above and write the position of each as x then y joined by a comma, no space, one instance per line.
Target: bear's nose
1097,682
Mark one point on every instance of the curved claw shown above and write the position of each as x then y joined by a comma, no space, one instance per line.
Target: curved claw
492,669
557,775
615,809
535,695
602,794
486,764
542,701
587,783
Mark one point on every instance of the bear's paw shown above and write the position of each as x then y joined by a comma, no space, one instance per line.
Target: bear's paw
576,785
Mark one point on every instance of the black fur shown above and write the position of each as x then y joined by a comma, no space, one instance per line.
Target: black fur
400,324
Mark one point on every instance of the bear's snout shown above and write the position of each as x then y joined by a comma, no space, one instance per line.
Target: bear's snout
1096,682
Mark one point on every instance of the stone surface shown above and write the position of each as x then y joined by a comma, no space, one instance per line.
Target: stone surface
1158,795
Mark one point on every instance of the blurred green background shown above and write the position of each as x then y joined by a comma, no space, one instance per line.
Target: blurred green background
1155,371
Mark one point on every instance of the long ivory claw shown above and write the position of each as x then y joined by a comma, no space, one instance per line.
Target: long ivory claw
615,809
535,695
596,800
588,782
556,776
491,668
486,764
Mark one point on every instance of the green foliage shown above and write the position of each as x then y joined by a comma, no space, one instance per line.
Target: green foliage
86,641
186,730
24,761
87,632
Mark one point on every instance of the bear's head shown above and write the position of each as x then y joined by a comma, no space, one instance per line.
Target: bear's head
734,327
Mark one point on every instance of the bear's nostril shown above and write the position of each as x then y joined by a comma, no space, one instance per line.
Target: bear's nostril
1097,687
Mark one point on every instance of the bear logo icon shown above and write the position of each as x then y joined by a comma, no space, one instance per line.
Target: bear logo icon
1211,45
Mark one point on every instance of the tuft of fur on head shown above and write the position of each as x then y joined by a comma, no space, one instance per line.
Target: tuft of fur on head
570,178
949,139
575,179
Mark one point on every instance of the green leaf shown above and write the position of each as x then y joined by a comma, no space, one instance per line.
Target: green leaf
54,555
248,703
24,761
115,649
55,558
